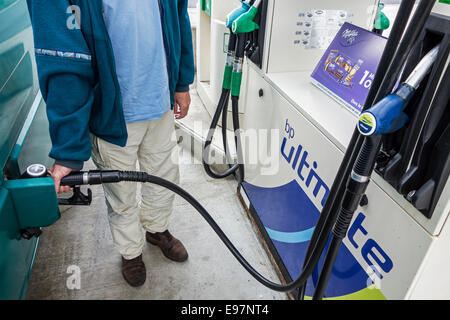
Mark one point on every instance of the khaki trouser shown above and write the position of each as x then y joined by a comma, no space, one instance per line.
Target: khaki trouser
153,145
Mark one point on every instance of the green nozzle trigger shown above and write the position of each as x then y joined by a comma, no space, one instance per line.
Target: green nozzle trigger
236,13
381,22
245,23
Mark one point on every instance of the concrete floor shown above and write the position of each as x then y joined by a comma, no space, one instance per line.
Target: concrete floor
82,239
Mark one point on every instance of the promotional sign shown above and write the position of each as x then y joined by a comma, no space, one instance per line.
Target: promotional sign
347,69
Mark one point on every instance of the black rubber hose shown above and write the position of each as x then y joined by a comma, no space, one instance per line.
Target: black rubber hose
354,191
411,35
327,267
372,145
240,45
104,177
221,108
237,137
225,138
327,220
143,177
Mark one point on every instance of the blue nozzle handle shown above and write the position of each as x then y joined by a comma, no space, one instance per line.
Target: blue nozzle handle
386,116
236,13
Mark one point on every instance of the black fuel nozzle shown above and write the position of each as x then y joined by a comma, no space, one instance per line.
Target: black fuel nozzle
77,199
94,177
73,180
79,178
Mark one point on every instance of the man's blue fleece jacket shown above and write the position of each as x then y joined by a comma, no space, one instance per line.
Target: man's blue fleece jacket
77,73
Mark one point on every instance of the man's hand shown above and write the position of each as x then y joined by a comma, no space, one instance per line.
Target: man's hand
58,172
182,103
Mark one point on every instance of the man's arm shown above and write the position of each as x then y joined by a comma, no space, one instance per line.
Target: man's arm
66,80
187,66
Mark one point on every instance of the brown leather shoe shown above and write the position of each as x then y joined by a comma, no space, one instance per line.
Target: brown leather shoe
134,271
171,247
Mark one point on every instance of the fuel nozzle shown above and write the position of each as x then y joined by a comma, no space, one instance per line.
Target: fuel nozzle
236,13
94,177
245,23
76,179
381,21
387,115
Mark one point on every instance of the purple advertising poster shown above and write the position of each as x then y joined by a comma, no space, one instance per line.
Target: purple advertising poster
347,68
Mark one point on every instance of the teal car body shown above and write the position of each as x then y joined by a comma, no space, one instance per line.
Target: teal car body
24,140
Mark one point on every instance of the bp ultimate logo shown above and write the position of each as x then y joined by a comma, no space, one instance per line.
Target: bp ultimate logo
311,188
303,165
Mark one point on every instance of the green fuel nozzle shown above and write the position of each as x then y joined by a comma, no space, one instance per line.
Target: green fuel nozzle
382,21
231,17
236,13
245,23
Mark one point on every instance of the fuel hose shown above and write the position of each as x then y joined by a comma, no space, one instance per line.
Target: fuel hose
222,110
103,177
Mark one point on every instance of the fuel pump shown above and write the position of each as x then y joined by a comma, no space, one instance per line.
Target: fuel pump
241,24
381,116
384,117
415,160
330,210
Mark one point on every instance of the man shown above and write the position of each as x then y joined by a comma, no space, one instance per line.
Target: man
110,72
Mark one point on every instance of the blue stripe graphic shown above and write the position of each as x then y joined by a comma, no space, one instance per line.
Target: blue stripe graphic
289,217
291,237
